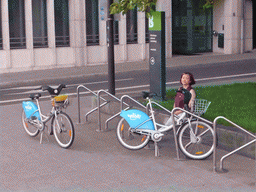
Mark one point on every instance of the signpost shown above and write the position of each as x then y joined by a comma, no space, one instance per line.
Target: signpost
157,67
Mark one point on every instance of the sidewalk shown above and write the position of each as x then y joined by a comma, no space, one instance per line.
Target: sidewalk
97,162
26,77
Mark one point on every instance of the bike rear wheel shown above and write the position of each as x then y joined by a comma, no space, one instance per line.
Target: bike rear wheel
129,138
28,125
63,130
199,144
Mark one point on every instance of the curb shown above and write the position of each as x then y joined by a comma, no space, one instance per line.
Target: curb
229,139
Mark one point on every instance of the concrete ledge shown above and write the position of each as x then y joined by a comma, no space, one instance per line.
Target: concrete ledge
230,139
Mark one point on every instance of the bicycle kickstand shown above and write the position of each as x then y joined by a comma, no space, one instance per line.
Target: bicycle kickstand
156,149
41,137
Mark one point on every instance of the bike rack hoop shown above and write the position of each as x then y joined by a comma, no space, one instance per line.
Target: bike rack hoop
78,101
172,115
232,152
127,96
98,104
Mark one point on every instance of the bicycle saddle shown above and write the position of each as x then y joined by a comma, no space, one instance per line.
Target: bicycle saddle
53,91
35,96
148,94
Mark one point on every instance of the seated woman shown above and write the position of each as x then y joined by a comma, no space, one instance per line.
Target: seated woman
184,98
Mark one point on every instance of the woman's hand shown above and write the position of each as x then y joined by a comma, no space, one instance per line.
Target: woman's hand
191,103
192,100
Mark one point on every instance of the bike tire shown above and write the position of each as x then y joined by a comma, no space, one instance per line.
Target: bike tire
128,139
200,147
31,130
63,130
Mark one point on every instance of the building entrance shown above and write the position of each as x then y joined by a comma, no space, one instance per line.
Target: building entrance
191,27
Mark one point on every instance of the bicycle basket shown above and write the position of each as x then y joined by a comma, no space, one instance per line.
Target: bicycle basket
59,100
201,105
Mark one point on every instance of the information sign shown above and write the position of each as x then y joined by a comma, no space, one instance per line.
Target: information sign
157,67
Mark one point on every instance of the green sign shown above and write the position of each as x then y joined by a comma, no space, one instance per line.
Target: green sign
157,67
154,23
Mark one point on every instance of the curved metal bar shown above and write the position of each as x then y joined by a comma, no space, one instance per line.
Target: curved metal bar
114,116
127,96
232,152
91,111
174,129
98,103
78,101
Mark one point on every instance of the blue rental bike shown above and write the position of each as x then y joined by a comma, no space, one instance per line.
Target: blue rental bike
195,137
34,121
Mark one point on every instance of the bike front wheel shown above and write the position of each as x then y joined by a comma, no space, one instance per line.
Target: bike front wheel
129,138
63,130
29,125
196,142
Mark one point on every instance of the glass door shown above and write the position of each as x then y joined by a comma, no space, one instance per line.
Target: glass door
192,27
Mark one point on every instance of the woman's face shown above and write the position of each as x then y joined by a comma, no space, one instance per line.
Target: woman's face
185,80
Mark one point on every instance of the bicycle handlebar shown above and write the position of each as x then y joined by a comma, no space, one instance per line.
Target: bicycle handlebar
53,91
148,94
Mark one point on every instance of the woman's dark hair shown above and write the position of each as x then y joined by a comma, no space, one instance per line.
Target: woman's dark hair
192,80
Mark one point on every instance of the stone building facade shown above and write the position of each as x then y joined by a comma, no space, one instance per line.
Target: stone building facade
43,34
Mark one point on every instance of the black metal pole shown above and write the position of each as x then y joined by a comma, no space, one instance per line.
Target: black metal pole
111,62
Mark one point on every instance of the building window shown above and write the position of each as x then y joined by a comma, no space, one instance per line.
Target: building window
1,36
17,24
62,38
92,22
131,26
116,33
39,23
146,30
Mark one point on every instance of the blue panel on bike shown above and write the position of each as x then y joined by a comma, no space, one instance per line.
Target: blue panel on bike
30,109
137,119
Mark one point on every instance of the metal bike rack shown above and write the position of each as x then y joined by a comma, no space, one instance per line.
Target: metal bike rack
174,130
98,104
174,127
192,114
170,112
78,102
232,152
127,96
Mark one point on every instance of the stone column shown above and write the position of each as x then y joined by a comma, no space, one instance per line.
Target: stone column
29,30
77,30
122,35
232,26
248,35
141,34
51,30
166,6
6,62
29,24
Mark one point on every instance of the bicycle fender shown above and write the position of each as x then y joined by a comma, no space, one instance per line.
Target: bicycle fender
137,119
30,109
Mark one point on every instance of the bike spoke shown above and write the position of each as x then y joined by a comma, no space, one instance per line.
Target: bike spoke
129,137
196,140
